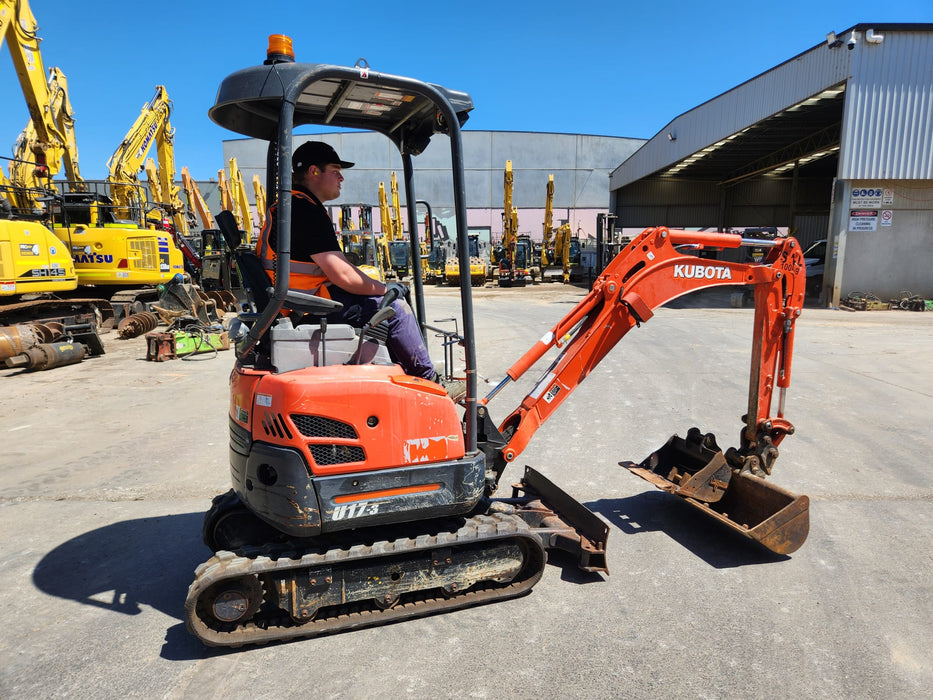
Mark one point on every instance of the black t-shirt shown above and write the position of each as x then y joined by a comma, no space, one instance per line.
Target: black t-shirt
312,230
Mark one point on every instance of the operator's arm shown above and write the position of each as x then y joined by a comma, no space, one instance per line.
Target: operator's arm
346,275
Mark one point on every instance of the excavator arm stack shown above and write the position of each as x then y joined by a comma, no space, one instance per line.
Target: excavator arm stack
652,270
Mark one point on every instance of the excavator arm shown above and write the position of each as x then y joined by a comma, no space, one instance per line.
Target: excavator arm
47,144
548,233
29,144
240,201
170,200
196,200
151,126
260,193
509,224
649,273
653,270
385,214
396,210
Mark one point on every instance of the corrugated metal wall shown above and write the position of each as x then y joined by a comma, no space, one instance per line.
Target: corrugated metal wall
888,117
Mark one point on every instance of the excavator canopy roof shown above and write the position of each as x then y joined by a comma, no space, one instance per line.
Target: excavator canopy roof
249,102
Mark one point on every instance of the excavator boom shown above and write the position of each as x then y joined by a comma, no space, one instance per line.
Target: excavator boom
49,139
196,199
240,201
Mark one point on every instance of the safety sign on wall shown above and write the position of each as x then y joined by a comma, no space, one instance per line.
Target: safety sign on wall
887,216
863,220
865,197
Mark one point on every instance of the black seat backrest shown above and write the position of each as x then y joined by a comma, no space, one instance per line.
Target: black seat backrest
257,282
229,230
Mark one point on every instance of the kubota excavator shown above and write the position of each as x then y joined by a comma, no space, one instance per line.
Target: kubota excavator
362,495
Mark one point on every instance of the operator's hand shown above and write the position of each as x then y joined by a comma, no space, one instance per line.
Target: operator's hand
395,290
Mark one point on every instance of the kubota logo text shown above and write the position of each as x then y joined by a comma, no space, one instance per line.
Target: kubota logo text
699,272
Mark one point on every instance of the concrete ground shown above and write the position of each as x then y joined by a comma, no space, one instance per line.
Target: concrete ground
109,466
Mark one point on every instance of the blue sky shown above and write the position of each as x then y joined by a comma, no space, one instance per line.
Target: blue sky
606,68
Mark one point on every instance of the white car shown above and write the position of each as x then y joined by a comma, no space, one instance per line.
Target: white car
814,258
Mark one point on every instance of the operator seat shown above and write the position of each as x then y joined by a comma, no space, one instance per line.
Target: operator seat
257,283
308,344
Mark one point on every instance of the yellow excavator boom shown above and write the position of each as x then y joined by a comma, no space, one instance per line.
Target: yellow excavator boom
548,237
151,126
260,193
396,229
47,144
226,198
196,200
240,201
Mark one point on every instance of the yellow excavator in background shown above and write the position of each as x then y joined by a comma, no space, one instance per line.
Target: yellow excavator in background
361,245
555,248
396,255
233,199
436,248
260,193
33,261
511,255
117,237
195,199
240,202
151,126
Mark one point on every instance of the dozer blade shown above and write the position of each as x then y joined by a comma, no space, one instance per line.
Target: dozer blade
696,470
560,520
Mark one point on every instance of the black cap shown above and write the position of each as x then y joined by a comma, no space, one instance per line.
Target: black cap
316,153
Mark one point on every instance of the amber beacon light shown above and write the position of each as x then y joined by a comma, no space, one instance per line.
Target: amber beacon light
280,49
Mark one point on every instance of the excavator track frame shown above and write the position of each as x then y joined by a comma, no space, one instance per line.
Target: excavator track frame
329,573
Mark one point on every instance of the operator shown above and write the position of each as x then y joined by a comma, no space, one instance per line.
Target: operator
318,265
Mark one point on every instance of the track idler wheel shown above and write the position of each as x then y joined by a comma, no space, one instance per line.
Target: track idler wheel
235,601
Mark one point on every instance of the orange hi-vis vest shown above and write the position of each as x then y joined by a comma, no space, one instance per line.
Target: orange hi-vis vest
305,276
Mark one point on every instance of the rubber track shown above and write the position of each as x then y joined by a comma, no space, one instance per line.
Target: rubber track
481,528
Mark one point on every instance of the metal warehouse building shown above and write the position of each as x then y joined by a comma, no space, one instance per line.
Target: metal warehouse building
579,163
835,143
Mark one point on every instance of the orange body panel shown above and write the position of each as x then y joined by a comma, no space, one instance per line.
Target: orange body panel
396,419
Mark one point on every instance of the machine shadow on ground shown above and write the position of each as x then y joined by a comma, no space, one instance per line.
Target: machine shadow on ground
654,511
127,565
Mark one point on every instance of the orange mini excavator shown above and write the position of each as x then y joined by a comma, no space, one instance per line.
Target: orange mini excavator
362,495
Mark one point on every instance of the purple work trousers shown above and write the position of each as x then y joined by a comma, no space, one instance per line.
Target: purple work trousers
405,344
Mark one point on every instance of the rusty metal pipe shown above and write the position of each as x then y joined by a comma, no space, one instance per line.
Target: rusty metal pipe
47,356
17,339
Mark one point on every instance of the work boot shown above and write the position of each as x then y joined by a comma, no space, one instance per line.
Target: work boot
455,388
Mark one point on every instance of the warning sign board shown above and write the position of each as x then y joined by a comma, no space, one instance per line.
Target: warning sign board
887,216
863,220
